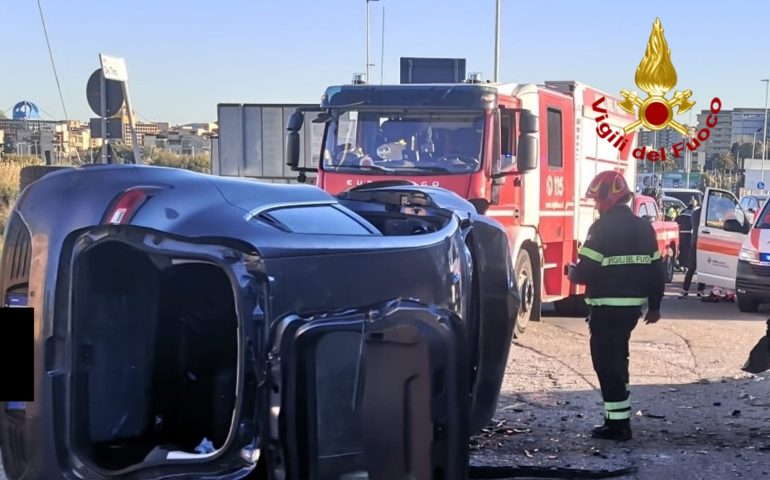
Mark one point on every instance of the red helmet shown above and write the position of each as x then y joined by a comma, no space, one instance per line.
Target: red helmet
609,189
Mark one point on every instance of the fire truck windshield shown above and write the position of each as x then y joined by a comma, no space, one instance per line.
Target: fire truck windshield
402,143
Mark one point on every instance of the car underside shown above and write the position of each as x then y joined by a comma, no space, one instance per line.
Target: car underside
192,325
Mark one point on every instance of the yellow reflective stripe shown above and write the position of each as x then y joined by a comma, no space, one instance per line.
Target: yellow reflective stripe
591,253
619,415
617,405
627,260
616,302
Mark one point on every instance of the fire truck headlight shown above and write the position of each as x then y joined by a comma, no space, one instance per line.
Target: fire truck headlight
749,255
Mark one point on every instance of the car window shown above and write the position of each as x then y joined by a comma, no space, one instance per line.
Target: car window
652,209
745,202
642,210
322,219
763,217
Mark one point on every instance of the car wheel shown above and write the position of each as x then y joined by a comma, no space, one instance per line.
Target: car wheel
529,291
747,303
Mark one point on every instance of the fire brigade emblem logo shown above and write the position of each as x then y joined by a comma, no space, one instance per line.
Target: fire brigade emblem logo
656,76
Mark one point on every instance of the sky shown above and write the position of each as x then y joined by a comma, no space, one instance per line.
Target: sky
185,57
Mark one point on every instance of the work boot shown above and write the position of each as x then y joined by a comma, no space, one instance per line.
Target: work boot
683,294
619,430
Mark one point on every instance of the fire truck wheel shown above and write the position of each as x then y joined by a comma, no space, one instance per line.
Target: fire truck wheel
529,292
668,263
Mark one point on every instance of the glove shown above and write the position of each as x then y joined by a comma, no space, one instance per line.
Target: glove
652,316
571,272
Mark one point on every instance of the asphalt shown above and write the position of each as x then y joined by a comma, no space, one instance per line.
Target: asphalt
696,414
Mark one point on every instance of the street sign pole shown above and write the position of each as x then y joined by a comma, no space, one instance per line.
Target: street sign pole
103,114
114,68
134,140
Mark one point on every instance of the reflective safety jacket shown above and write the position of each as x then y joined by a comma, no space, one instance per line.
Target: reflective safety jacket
620,263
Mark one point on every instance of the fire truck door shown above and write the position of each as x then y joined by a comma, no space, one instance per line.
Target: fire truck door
557,188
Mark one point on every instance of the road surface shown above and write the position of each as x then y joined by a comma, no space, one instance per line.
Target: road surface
695,413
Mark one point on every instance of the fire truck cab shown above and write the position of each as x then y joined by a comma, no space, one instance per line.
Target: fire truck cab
523,154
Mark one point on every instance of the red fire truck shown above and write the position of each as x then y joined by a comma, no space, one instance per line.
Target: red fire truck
521,153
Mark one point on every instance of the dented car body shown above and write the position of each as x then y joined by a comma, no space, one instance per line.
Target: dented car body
193,325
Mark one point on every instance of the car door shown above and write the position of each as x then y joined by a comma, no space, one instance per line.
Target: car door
717,248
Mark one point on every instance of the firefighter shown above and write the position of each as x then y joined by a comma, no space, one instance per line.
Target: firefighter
620,266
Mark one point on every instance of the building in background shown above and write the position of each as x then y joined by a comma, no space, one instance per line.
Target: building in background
54,141
182,140
740,125
659,138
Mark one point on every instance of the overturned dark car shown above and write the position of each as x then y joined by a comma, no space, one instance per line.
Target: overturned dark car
192,326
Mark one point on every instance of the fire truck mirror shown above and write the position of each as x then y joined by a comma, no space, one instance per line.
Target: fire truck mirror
292,150
296,120
528,122
527,156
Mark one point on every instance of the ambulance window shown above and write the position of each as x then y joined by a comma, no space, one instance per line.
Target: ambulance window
721,207
554,138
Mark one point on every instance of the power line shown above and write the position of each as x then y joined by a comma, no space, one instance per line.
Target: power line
55,74
50,54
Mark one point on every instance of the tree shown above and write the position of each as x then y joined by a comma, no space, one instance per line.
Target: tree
149,153
726,162
670,162
2,115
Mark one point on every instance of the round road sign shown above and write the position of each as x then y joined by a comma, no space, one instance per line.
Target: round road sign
94,92
761,185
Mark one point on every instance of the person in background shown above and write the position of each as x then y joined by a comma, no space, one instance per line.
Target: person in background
692,263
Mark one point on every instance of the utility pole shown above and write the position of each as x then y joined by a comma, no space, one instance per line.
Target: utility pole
764,141
382,47
367,39
497,41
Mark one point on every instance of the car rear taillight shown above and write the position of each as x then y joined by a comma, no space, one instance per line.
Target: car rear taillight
124,207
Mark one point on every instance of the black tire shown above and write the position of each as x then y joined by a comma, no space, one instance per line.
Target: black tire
529,291
572,306
668,264
747,303
33,173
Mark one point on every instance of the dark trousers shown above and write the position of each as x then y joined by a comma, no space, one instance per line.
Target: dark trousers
691,271
611,329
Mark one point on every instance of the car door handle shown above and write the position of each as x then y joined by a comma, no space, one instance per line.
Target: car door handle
707,232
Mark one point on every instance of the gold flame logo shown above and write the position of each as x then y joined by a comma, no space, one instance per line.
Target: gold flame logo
656,75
